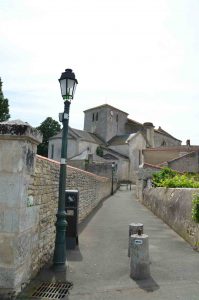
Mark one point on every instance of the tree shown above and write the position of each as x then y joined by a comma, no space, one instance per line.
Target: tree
4,106
48,128
99,151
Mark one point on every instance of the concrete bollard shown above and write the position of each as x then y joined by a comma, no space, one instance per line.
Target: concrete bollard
133,229
139,263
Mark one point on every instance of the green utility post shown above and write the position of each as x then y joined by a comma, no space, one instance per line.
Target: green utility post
67,83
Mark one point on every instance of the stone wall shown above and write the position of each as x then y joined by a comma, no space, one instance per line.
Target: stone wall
174,207
43,193
28,203
18,219
144,175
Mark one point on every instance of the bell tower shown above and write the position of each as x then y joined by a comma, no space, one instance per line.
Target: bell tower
105,121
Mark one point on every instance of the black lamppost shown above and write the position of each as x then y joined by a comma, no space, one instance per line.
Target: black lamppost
68,84
113,169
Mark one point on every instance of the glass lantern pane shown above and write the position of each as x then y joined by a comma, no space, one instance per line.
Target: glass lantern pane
70,88
63,87
70,83
74,88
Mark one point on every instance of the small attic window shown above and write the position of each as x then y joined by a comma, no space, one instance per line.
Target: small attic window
93,117
97,116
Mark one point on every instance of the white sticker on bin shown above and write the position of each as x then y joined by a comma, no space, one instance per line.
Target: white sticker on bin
138,242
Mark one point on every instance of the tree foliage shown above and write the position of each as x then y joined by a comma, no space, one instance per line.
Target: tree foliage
4,106
99,151
195,208
48,128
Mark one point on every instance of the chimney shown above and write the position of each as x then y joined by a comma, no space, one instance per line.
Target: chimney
188,143
149,129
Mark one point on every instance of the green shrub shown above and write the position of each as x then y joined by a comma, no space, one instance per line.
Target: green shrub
171,179
165,173
195,208
180,181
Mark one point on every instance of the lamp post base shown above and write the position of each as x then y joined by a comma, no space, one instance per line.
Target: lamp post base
60,267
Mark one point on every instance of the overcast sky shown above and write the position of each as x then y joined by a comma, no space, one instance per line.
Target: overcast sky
141,56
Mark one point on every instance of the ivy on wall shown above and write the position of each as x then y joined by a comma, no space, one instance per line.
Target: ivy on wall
195,208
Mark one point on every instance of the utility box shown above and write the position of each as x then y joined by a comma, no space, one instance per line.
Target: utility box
71,207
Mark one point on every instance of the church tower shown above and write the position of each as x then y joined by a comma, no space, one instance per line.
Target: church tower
105,121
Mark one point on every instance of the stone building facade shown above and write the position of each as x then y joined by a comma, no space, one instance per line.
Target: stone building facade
121,138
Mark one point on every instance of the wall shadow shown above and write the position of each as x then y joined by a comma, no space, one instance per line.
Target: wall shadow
88,218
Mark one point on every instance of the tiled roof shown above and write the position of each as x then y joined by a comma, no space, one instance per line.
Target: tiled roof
119,140
161,131
175,148
134,122
84,156
146,165
56,136
182,156
86,136
105,105
111,151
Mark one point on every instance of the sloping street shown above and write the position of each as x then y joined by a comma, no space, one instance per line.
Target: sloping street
99,269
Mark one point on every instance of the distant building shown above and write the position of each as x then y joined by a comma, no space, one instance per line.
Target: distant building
119,138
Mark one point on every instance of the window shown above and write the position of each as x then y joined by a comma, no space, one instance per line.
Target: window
97,116
163,143
52,151
117,118
93,117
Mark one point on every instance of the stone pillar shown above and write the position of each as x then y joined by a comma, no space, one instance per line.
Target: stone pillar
18,215
140,264
133,229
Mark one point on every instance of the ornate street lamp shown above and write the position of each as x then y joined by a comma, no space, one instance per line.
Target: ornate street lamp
68,84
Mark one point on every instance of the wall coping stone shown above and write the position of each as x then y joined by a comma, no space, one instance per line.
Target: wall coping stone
101,178
17,129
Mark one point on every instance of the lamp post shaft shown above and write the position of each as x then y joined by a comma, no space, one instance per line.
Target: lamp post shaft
59,258
112,183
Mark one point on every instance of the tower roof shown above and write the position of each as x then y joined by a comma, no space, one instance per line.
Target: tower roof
106,105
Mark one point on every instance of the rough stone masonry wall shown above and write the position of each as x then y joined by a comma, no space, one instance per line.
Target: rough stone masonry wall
43,193
174,207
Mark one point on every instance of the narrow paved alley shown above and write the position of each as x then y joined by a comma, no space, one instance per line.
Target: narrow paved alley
99,269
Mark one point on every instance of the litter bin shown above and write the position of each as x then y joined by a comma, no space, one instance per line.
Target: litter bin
71,207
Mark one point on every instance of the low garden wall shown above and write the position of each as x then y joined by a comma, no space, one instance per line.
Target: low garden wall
174,207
